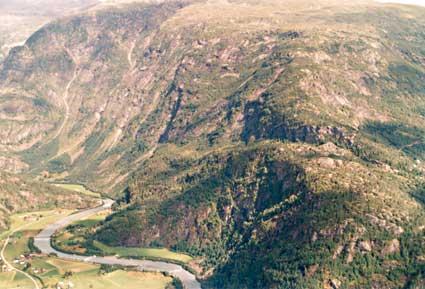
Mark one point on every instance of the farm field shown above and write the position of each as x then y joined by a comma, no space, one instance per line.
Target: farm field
143,252
79,189
34,220
52,272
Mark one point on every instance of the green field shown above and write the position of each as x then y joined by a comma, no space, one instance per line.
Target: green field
119,279
143,252
9,280
52,270
34,220
84,276
78,188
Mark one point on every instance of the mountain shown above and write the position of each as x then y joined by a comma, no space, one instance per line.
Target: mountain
47,118
280,142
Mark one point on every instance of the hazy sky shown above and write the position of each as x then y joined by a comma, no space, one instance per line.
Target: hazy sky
417,2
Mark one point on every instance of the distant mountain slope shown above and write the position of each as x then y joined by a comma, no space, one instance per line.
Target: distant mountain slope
21,18
281,141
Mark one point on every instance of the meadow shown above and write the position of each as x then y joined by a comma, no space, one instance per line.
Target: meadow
79,189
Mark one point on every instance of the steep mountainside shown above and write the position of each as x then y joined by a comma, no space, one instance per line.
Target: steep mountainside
86,67
282,142
269,214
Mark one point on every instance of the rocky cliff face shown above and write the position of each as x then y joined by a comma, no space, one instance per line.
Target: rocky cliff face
269,133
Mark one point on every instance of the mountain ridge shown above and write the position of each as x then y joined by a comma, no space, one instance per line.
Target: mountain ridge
283,133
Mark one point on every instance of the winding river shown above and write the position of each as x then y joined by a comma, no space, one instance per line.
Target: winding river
43,242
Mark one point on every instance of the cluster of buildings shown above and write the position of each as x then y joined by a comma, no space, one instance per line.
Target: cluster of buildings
65,285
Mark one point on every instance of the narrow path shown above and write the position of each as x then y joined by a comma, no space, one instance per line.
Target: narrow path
65,97
130,56
65,104
6,242
43,242
410,145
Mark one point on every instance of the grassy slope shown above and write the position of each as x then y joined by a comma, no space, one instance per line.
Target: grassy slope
143,252
78,188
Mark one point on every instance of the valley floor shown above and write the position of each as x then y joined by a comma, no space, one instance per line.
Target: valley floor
52,272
